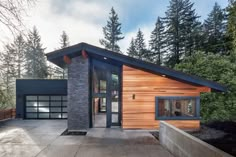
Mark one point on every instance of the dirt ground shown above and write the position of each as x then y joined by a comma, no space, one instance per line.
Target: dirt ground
219,134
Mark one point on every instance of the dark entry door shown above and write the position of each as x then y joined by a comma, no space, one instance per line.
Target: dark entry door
105,94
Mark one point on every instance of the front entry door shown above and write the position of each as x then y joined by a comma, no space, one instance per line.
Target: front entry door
105,95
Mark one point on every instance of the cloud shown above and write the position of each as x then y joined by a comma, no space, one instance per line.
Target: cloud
83,19
90,11
80,24
146,29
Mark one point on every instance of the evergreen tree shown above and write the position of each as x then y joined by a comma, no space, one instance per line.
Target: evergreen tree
7,74
214,29
55,71
231,24
19,50
191,28
174,32
12,61
157,43
198,39
36,66
139,46
131,51
64,41
180,21
62,73
112,32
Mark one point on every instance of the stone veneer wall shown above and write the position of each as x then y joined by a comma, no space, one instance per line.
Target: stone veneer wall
78,94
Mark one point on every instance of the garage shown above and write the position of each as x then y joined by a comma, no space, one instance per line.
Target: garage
41,98
46,107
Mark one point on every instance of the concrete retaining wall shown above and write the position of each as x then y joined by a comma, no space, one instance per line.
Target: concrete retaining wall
182,144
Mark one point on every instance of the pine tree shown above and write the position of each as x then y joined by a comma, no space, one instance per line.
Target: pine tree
180,21
131,51
192,28
174,32
12,61
62,73
8,73
198,39
36,66
55,71
112,32
139,46
157,43
64,41
19,51
231,24
214,29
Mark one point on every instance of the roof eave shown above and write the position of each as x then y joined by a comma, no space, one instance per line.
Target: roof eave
57,57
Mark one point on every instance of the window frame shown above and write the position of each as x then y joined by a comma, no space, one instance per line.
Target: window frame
196,117
62,100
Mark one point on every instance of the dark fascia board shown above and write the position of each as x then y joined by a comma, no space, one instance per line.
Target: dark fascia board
75,50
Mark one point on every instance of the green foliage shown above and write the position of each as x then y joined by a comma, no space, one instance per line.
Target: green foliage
181,30
231,23
7,77
55,72
140,44
131,51
222,69
36,66
19,50
137,47
157,43
6,101
112,32
214,31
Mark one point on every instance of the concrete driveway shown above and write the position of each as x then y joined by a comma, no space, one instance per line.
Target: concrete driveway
41,138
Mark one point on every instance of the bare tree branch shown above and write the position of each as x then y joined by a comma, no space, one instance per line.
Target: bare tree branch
12,13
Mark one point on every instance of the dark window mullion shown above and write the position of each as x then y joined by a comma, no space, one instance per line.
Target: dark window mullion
37,107
61,105
37,113
50,107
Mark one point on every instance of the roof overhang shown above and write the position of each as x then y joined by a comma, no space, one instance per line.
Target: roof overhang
56,57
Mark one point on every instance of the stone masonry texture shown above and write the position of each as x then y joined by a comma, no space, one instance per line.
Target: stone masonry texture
78,94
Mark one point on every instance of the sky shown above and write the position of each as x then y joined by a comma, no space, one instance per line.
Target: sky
83,19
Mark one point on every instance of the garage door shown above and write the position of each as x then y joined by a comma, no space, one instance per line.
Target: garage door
46,107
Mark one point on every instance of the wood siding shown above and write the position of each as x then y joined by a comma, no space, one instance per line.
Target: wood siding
144,86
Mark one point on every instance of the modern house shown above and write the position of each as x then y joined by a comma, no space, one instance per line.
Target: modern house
108,89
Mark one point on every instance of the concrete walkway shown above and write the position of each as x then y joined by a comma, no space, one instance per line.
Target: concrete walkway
41,138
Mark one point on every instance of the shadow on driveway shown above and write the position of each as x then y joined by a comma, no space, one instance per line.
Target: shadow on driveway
41,138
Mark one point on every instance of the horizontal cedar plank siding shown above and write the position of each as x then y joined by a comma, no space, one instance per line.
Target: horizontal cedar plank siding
182,124
139,113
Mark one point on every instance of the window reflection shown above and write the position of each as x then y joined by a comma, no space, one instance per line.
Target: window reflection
177,108
103,85
44,106
99,81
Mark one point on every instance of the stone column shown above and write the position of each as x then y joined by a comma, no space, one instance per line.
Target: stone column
78,94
